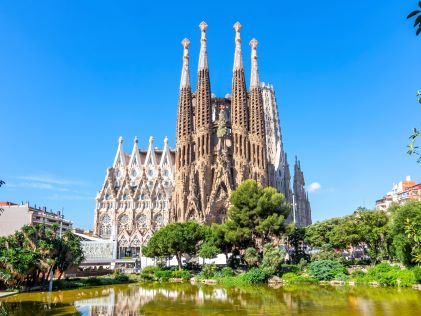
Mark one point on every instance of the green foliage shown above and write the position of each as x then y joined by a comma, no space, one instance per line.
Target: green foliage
150,269
35,251
122,278
93,281
256,213
208,270
208,250
402,245
272,258
163,275
183,274
417,15
325,269
175,240
417,273
251,257
255,276
288,268
227,271
294,278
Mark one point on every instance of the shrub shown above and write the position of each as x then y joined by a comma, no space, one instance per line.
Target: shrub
407,277
325,269
208,270
417,273
389,275
251,257
183,274
272,258
358,276
163,275
122,278
292,277
379,271
150,269
93,281
341,277
227,271
289,276
285,268
255,275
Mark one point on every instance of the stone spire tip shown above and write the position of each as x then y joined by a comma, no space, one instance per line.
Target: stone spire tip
254,43
120,140
203,58
203,26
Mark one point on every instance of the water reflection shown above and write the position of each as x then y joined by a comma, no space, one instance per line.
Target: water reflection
186,299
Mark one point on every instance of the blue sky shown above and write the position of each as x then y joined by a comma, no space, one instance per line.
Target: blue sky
75,76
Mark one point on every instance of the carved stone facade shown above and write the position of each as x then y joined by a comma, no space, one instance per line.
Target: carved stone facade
210,163
220,142
135,198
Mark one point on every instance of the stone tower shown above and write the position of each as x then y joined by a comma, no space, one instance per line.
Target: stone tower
301,205
184,139
239,114
257,134
222,141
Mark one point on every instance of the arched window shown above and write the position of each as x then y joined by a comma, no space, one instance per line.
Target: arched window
141,221
105,226
123,223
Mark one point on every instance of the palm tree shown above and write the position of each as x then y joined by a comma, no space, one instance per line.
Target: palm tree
417,23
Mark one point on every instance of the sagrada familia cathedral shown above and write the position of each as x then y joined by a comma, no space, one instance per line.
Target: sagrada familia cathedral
220,142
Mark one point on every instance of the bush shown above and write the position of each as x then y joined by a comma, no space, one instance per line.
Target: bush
325,269
289,276
251,257
379,271
389,275
208,270
122,278
285,268
150,269
93,281
183,274
292,277
227,272
163,275
406,277
417,273
255,275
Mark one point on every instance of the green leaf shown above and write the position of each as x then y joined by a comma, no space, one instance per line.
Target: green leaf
410,15
417,21
419,4
418,33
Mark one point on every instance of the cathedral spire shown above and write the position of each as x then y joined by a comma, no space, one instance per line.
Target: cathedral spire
185,72
254,78
119,160
203,56
238,59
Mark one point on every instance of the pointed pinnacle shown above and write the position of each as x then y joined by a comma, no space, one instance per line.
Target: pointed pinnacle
186,43
237,26
254,43
203,26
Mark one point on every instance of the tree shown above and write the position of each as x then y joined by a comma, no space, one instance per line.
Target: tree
413,232
412,148
175,240
31,254
402,245
417,15
256,216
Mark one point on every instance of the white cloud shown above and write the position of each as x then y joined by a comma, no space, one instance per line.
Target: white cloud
315,186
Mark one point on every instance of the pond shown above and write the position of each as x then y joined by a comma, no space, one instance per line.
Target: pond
186,299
